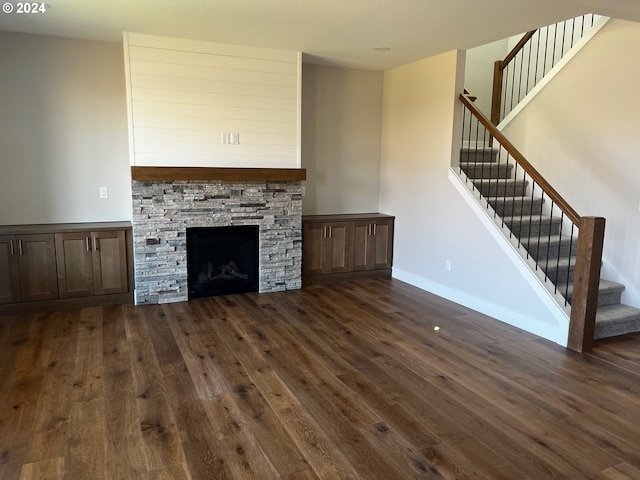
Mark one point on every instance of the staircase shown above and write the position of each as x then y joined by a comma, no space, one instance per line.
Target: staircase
540,234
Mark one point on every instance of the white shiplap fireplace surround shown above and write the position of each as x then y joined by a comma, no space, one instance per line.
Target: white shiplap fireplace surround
214,137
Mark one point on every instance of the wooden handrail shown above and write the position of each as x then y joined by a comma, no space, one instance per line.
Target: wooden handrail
514,51
588,258
498,75
500,70
522,161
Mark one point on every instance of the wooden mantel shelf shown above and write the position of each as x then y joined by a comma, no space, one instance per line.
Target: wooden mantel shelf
168,174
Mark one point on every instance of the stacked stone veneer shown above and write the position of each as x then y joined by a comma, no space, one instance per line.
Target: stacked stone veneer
162,212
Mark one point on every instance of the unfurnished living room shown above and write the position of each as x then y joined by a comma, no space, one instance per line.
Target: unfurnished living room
319,239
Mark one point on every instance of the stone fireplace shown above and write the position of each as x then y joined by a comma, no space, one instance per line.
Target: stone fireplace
164,209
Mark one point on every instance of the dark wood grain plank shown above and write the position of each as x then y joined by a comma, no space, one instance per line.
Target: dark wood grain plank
333,381
50,469
168,174
164,343
156,419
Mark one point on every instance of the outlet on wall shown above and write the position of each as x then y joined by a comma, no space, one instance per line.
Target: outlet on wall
103,192
447,265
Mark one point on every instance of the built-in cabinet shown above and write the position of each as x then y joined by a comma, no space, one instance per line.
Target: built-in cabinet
47,266
27,268
325,247
91,263
371,244
346,246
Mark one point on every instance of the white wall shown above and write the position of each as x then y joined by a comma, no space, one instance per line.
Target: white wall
556,38
433,221
478,72
581,132
341,128
63,130
184,94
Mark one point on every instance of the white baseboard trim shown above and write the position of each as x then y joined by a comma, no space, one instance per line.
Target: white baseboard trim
556,333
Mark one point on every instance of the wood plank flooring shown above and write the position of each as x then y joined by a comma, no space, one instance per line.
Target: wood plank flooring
349,380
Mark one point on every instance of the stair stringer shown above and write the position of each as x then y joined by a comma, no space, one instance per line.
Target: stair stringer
553,72
553,301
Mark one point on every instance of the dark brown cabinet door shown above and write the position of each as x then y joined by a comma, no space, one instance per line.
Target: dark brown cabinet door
372,244
382,248
109,262
9,278
75,264
347,244
337,236
37,266
361,240
91,263
313,246
325,248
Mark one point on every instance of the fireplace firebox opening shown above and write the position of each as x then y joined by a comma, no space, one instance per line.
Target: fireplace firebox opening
222,260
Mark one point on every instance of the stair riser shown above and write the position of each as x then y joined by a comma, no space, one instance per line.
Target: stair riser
564,275
493,178
613,298
553,251
486,171
510,208
621,328
478,156
534,228
502,189
604,299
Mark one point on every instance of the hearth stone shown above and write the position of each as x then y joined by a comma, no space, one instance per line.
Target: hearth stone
162,211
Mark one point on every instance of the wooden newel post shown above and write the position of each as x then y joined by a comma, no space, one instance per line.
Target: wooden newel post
584,302
496,95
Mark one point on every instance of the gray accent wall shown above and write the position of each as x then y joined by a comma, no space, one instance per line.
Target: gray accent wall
341,134
63,130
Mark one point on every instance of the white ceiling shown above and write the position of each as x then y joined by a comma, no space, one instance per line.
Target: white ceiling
335,32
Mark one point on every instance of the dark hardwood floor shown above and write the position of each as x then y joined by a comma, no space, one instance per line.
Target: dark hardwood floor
349,380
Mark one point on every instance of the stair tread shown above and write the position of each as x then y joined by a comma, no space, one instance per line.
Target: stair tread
479,149
546,239
498,180
562,263
515,198
512,200
606,286
472,163
533,219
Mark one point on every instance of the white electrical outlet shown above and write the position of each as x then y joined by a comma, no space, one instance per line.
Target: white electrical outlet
235,138
225,138
103,192
447,265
